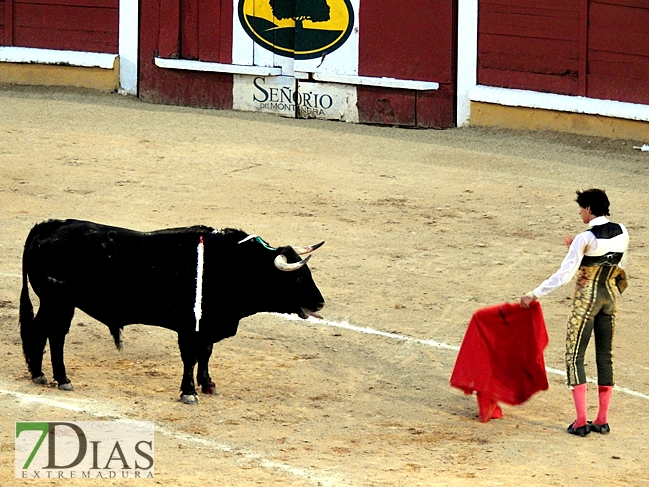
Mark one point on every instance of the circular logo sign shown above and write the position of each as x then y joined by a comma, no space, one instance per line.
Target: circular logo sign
301,29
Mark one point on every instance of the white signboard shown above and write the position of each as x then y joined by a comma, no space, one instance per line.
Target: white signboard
288,97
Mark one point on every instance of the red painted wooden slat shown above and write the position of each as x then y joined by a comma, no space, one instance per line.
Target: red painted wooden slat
628,42
436,109
539,26
385,106
567,5
63,17
75,3
189,44
563,85
8,18
618,17
583,47
634,68
168,38
226,31
72,40
529,64
626,3
619,29
209,36
618,88
495,44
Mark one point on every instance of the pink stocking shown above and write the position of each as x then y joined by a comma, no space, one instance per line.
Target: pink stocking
579,396
605,393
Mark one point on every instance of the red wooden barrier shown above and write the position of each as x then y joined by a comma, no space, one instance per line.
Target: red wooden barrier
595,48
413,40
77,25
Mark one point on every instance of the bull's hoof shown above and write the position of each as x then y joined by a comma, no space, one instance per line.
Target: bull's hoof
189,398
41,379
209,388
66,387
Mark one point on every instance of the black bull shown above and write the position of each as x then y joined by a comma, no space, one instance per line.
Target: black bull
121,277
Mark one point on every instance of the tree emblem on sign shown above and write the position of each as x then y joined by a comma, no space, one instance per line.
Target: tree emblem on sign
299,11
302,29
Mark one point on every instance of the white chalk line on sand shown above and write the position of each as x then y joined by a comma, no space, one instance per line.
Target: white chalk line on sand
429,343
111,411
404,338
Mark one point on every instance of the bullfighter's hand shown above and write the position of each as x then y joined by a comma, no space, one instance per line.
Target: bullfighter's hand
526,300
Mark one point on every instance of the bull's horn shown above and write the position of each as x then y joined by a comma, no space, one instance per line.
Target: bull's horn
308,249
282,264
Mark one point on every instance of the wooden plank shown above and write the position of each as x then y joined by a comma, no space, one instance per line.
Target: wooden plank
75,3
522,10
583,47
189,43
72,40
8,18
169,29
209,36
535,26
226,31
386,106
619,18
66,18
541,48
619,29
436,109
528,64
617,88
562,85
625,3
633,68
565,5
628,42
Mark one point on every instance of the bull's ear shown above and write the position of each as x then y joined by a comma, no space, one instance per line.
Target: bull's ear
308,248
282,264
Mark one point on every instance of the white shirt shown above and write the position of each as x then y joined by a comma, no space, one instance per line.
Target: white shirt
584,244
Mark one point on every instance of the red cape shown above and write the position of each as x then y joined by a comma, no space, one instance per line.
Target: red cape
501,357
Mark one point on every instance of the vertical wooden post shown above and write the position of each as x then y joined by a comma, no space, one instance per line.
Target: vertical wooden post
169,31
583,47
9,23
209,31
225,28
189,29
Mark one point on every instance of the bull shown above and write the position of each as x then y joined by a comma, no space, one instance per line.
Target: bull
196,281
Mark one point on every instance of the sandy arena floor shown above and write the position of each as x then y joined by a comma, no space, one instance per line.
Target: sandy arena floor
422,228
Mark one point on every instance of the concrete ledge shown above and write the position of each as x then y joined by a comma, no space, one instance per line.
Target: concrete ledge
562,103
30,55
525,118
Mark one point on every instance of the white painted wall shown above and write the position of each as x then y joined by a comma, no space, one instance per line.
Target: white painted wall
129,31
467,57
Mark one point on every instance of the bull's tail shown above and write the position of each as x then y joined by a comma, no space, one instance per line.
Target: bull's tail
26,316
116,331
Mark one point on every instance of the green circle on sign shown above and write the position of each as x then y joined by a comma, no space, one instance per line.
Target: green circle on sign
301,29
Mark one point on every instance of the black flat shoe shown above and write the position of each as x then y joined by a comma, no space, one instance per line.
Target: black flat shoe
603,429
581,431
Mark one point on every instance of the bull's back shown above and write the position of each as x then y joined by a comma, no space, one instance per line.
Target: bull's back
116,275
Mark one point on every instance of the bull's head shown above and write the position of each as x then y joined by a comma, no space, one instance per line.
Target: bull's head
305,280
291,290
